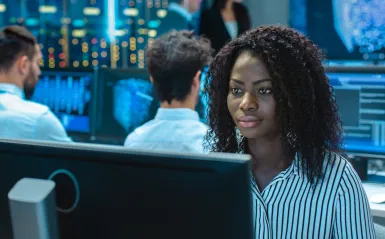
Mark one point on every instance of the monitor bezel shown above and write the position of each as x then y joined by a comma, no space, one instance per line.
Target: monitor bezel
110,154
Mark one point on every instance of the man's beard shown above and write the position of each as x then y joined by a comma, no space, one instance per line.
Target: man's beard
30,85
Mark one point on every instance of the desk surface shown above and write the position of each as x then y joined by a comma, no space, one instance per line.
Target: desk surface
372,189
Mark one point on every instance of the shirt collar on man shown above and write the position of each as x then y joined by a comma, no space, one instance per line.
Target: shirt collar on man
11,89
177,114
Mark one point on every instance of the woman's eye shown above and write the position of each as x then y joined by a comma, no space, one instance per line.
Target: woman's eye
265,91
236,91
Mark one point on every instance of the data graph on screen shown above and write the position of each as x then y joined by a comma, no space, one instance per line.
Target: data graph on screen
361,101
68,95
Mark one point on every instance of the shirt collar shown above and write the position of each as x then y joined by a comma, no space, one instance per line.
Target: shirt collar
11,89
296,167
293,169
179,9
176,114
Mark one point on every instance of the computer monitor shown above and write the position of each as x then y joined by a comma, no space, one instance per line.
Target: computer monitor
354,29
124,101
360,95
110,192
68,94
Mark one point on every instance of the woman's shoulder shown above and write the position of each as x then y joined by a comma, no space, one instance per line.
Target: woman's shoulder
339,170
335,162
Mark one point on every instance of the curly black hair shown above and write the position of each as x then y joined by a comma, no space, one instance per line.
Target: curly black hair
173,60
306,108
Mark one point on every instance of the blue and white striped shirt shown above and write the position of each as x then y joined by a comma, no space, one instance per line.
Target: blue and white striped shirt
291,207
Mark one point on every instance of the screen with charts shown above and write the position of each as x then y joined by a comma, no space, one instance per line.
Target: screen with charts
354,30
360,95
68,95
125,101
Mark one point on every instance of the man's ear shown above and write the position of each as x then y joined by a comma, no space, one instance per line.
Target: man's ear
23,65
152,80
197,80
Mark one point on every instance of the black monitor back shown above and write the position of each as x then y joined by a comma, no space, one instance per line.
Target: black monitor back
109,192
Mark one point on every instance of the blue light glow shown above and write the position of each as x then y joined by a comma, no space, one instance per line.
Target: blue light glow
153,24
111,15
78,23
32,22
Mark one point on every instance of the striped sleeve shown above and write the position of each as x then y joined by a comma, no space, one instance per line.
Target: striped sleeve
353,218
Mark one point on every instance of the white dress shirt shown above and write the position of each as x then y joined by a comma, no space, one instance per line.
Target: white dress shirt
171,130
23,119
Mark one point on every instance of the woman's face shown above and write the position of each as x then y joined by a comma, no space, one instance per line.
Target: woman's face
250,98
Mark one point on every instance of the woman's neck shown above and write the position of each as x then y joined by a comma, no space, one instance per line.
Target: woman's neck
229,5
268,154
268,160
228,12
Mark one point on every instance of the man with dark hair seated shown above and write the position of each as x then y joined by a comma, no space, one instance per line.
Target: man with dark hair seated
19,73
174,62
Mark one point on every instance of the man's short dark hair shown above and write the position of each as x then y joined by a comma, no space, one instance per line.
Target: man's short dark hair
14,42
173,60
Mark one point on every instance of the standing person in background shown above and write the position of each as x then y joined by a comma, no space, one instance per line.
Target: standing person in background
178,16
19,73
174,61
222,22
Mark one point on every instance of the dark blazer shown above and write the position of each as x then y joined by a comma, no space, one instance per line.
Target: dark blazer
212,25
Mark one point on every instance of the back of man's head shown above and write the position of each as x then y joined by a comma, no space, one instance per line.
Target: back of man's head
15,41
173,60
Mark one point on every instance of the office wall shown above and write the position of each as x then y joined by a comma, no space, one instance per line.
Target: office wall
268,11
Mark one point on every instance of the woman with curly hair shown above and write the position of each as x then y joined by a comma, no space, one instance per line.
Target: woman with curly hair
269,97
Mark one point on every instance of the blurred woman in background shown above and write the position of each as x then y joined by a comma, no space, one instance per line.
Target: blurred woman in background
223,21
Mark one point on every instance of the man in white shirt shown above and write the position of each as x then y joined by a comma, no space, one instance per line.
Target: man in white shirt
19,73
174,61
